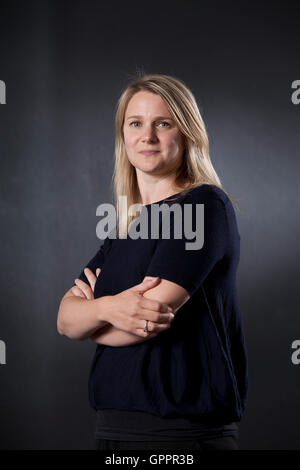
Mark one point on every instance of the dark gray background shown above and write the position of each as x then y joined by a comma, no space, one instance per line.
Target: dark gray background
65,65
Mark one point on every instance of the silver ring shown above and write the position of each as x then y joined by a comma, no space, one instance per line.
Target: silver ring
146,326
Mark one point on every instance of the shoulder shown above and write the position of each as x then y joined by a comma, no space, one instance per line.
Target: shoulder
207,193
217,204
106,244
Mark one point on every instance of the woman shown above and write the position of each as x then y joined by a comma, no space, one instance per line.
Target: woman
159,381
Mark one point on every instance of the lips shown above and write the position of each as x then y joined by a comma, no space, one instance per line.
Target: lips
149,152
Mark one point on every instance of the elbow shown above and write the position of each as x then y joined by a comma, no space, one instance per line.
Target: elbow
59,323
59,327
63,330
59,330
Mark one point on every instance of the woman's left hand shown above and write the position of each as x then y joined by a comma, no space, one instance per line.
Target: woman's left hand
81,289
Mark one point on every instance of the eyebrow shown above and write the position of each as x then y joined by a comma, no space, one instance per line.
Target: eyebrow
157,117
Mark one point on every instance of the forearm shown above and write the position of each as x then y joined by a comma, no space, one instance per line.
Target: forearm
109,335
79,318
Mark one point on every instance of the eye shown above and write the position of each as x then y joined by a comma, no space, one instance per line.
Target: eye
137,122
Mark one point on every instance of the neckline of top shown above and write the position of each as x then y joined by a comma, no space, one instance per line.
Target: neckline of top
161,200
166,198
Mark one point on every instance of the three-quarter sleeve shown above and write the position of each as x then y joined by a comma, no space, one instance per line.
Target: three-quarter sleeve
96,262
189,267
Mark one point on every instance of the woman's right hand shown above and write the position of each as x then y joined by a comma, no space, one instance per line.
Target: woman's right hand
81,289
129,310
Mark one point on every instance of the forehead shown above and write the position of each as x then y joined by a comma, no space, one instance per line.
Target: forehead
146,103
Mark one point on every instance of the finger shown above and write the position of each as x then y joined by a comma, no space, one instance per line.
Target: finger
146,285
85,288
90,277
155,305
98,271
156,317
78,292
152,328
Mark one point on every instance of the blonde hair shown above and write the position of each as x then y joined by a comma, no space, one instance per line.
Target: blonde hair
196,168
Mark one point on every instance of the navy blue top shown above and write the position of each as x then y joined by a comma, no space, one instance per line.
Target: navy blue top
197,368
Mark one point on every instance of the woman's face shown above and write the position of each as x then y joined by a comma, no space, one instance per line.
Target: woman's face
148,125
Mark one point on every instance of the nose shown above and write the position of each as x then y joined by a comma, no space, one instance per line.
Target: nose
149,134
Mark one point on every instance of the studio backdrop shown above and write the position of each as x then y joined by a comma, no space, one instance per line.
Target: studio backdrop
63,66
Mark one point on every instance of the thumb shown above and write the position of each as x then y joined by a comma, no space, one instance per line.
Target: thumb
146,285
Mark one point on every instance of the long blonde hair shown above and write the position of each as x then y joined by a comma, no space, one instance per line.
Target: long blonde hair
196,168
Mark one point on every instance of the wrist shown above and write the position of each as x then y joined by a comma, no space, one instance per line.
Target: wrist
103,309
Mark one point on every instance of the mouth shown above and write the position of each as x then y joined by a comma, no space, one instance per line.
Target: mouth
149,152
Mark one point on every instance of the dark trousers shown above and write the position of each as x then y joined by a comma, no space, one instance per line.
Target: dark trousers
217,443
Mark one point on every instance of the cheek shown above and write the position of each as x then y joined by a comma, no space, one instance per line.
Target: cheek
129,140
175,145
